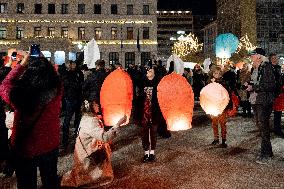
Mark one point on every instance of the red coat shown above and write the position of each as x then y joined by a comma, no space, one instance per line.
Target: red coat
279,103
45,135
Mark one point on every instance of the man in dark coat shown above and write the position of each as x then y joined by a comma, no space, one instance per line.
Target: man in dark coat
262,89
73,79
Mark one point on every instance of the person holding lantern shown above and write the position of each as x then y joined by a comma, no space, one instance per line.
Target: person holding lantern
92,163
216,76
150,114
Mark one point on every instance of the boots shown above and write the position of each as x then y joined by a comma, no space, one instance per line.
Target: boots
224,145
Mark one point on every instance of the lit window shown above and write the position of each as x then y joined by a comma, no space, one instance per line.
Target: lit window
114,33
50,31
64,32
37,31
3,7
3,33
19,33
81,33
98,33
130,33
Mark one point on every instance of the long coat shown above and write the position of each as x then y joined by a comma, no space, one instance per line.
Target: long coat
92,163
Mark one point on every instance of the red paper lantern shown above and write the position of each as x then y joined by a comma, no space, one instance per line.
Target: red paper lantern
116,97
214,98
176,100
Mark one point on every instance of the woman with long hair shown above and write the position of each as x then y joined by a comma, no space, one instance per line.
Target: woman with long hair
34,90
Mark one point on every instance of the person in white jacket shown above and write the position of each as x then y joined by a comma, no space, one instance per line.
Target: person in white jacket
92,155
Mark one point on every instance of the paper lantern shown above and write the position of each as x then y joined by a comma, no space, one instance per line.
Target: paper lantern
176,100
225,45
214,98
116,97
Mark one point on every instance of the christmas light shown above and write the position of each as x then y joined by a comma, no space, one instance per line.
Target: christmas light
186,45
245,44
81,21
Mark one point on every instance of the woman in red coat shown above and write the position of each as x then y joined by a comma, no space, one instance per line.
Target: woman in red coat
33,89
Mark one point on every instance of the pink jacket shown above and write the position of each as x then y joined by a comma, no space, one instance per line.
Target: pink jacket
45,134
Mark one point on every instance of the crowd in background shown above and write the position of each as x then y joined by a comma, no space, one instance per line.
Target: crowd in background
34,91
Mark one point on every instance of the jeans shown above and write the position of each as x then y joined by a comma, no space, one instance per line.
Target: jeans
26,171
262,116
71,107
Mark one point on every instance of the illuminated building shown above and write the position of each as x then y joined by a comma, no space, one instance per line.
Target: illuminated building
63,28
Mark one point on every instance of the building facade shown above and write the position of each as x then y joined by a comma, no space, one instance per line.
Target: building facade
270,25
210,33
169,24
125,30
261,20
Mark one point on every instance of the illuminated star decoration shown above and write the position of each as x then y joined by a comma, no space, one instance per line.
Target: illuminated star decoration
186,45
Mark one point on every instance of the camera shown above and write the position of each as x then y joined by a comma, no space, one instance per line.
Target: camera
35,50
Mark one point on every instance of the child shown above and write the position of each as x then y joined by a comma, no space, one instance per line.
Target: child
222,118
92,164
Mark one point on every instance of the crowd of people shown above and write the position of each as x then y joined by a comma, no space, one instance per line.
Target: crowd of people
40,95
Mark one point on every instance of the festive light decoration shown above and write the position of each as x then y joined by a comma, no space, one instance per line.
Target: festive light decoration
225,45
214,98
122,21
186,45
9,42
118,42
245,44
116,97
176,100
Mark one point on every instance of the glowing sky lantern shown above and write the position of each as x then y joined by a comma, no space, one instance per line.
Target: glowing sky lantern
225,45
176,100
214,98
116,97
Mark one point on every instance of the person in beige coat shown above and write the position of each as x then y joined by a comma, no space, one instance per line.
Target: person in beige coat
92,155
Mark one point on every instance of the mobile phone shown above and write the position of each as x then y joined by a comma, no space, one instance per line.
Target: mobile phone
35,50
14,56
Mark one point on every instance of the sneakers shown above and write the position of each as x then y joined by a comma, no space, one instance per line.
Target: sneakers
145,158
264,160
148,158
224,145
215,141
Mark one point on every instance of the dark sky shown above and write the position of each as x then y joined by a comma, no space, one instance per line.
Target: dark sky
197,6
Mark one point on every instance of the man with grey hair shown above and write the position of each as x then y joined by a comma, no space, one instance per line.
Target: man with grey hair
262,87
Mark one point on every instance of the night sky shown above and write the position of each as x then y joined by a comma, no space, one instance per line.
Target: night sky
197,6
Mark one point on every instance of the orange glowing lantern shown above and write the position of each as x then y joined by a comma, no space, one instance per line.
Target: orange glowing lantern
116,97
214,98
176,100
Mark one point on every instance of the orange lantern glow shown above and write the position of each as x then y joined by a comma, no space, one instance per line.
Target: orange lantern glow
116,97
214,98
176,100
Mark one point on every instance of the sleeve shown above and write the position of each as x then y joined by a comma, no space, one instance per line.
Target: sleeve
7,84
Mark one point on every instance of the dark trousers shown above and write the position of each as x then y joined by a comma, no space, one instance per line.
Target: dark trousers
26,171
3,140
246,108
71,107
149,136
277,121
262,115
